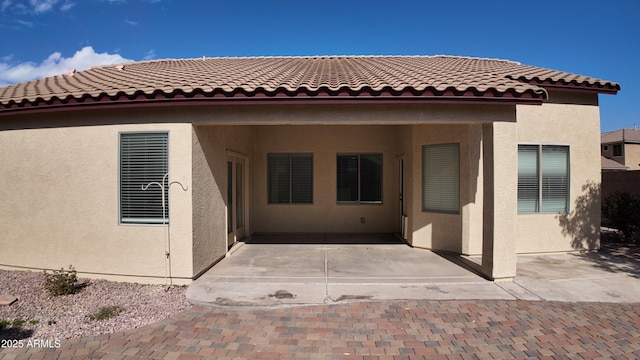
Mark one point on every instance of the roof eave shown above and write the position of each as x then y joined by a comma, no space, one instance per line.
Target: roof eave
584,87
199,99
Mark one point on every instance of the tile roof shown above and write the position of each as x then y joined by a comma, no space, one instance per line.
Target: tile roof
354,77
609,164
621,135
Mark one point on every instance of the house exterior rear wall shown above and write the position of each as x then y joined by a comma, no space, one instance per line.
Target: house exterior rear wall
578,126
325,214
631,154
461,232
60,204
210,147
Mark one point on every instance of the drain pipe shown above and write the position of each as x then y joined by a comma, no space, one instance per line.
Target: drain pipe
168,279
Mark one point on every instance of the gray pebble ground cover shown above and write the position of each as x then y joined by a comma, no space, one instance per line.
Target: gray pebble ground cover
66,317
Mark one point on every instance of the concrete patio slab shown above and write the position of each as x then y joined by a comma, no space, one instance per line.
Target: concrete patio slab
413,291
599,276
391,263
324,269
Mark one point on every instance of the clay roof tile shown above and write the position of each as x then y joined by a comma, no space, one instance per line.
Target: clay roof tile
369,76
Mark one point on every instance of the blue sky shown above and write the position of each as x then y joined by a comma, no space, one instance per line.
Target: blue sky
591,37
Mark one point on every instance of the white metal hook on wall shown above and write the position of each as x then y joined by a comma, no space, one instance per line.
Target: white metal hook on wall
167,249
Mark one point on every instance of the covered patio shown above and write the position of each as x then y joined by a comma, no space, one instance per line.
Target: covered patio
277,270
295,269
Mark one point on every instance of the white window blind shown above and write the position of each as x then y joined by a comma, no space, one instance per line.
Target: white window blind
555,178
528,178
441,178
543,178
143,159
290,178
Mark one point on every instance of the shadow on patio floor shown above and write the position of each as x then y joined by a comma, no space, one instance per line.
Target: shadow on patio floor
356,239
615,255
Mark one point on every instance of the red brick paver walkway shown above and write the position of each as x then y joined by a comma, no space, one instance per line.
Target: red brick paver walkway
375,330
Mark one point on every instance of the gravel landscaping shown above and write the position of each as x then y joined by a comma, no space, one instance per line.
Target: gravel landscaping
69,316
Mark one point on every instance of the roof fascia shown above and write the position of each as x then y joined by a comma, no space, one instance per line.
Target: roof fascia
73,104
574,88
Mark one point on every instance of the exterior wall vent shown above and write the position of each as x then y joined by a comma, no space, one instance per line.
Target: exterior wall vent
405,226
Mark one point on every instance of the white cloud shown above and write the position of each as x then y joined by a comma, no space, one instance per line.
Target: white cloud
35,6
55,64
131,22
151,54
67,5
40,6
5,5
12,7
23,22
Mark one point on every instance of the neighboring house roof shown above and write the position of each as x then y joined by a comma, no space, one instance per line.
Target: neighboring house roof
621,136
609,164
439,78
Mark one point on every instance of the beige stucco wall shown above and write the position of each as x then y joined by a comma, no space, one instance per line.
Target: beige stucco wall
460,232
631,154
59,203
575,123
211,145
499,200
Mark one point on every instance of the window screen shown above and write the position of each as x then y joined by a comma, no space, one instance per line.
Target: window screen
617,150
290,178
528,178
143,159
441,178
555,178
543,178
359,178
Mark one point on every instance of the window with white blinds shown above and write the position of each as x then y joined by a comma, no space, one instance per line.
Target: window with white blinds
543,178
555,178
441,178
528,179
143,159
359,178
290,178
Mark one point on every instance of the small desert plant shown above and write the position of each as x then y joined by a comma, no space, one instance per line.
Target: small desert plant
61,282
105,312
16,323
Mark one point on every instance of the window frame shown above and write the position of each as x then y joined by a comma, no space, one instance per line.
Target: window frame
618,150
291,185
359,200
424,178
149,220
540,176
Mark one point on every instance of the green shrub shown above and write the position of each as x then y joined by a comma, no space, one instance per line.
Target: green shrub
33,322
623,212
3,324
106,312
61,282
17,322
